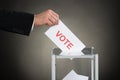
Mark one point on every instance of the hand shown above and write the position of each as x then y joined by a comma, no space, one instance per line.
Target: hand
48,17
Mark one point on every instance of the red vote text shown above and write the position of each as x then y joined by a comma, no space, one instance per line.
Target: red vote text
64,40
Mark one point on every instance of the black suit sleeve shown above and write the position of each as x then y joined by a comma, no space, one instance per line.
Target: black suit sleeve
17,22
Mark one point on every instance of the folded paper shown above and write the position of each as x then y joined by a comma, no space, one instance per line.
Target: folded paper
72,75
64,38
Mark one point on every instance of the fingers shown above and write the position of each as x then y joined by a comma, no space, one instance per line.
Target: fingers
53,18
50,23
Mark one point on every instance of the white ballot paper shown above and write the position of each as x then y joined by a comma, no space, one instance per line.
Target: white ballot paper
72,75
65,39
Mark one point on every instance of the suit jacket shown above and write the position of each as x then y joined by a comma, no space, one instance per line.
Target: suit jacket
17,22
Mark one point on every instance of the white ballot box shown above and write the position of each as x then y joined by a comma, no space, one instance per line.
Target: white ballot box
71,47
93,63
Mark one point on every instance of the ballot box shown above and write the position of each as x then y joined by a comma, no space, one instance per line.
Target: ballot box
94,63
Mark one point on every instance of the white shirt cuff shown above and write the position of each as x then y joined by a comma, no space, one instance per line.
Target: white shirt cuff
32,26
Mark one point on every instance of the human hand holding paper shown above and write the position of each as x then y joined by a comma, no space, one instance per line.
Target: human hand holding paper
65,39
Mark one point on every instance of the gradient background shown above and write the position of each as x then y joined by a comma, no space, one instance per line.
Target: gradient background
94,22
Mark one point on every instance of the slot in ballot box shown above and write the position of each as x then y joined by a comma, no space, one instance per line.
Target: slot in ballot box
55,54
